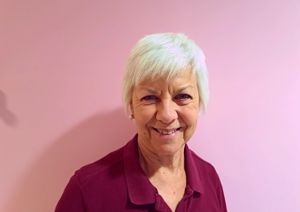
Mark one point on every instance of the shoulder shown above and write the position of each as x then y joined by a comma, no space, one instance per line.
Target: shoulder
102,180
103,168
200,162
204,168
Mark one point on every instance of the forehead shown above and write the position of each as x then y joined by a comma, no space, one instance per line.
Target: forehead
184,78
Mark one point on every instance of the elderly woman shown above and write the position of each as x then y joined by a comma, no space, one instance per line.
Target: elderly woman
165,87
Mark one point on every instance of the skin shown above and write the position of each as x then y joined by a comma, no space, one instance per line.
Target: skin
165,115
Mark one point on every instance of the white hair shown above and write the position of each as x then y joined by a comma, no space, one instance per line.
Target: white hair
165,54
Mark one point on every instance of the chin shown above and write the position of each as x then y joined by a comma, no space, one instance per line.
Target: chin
168,147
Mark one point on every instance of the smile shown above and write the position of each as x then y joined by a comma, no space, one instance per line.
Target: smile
167,131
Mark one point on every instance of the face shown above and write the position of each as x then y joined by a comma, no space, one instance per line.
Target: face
166,112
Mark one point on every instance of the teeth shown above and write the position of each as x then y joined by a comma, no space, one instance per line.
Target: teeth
166,132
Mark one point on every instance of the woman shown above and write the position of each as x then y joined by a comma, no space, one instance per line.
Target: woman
165,87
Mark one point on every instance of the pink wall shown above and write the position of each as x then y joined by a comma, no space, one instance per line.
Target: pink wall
61,65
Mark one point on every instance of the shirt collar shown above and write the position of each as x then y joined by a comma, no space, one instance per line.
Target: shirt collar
140,190
193,174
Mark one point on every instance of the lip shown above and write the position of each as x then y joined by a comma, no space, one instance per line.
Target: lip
166,131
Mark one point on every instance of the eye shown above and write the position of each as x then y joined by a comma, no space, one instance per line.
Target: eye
149,98
183,97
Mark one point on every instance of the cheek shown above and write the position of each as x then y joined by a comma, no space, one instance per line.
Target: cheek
144,116
146,112
190,118
192,122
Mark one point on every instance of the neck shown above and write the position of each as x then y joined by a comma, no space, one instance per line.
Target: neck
154,164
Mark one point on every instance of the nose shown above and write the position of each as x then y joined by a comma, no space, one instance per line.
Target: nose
166,111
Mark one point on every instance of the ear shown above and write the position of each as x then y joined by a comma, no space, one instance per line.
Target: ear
130,110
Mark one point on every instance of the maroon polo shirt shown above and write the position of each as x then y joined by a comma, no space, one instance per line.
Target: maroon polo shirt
117,183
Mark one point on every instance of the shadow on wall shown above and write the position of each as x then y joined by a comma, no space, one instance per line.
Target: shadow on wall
44,183
5,114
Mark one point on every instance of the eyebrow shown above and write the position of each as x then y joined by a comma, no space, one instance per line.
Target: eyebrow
153,91
150,90
183,88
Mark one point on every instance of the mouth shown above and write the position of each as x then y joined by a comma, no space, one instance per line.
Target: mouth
166,131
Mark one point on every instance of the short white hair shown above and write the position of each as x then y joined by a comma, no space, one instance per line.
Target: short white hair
165,54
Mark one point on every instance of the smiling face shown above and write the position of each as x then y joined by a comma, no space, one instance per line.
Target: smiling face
166,112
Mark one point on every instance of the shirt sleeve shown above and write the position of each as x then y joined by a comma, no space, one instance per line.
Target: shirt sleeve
221,198
71,199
